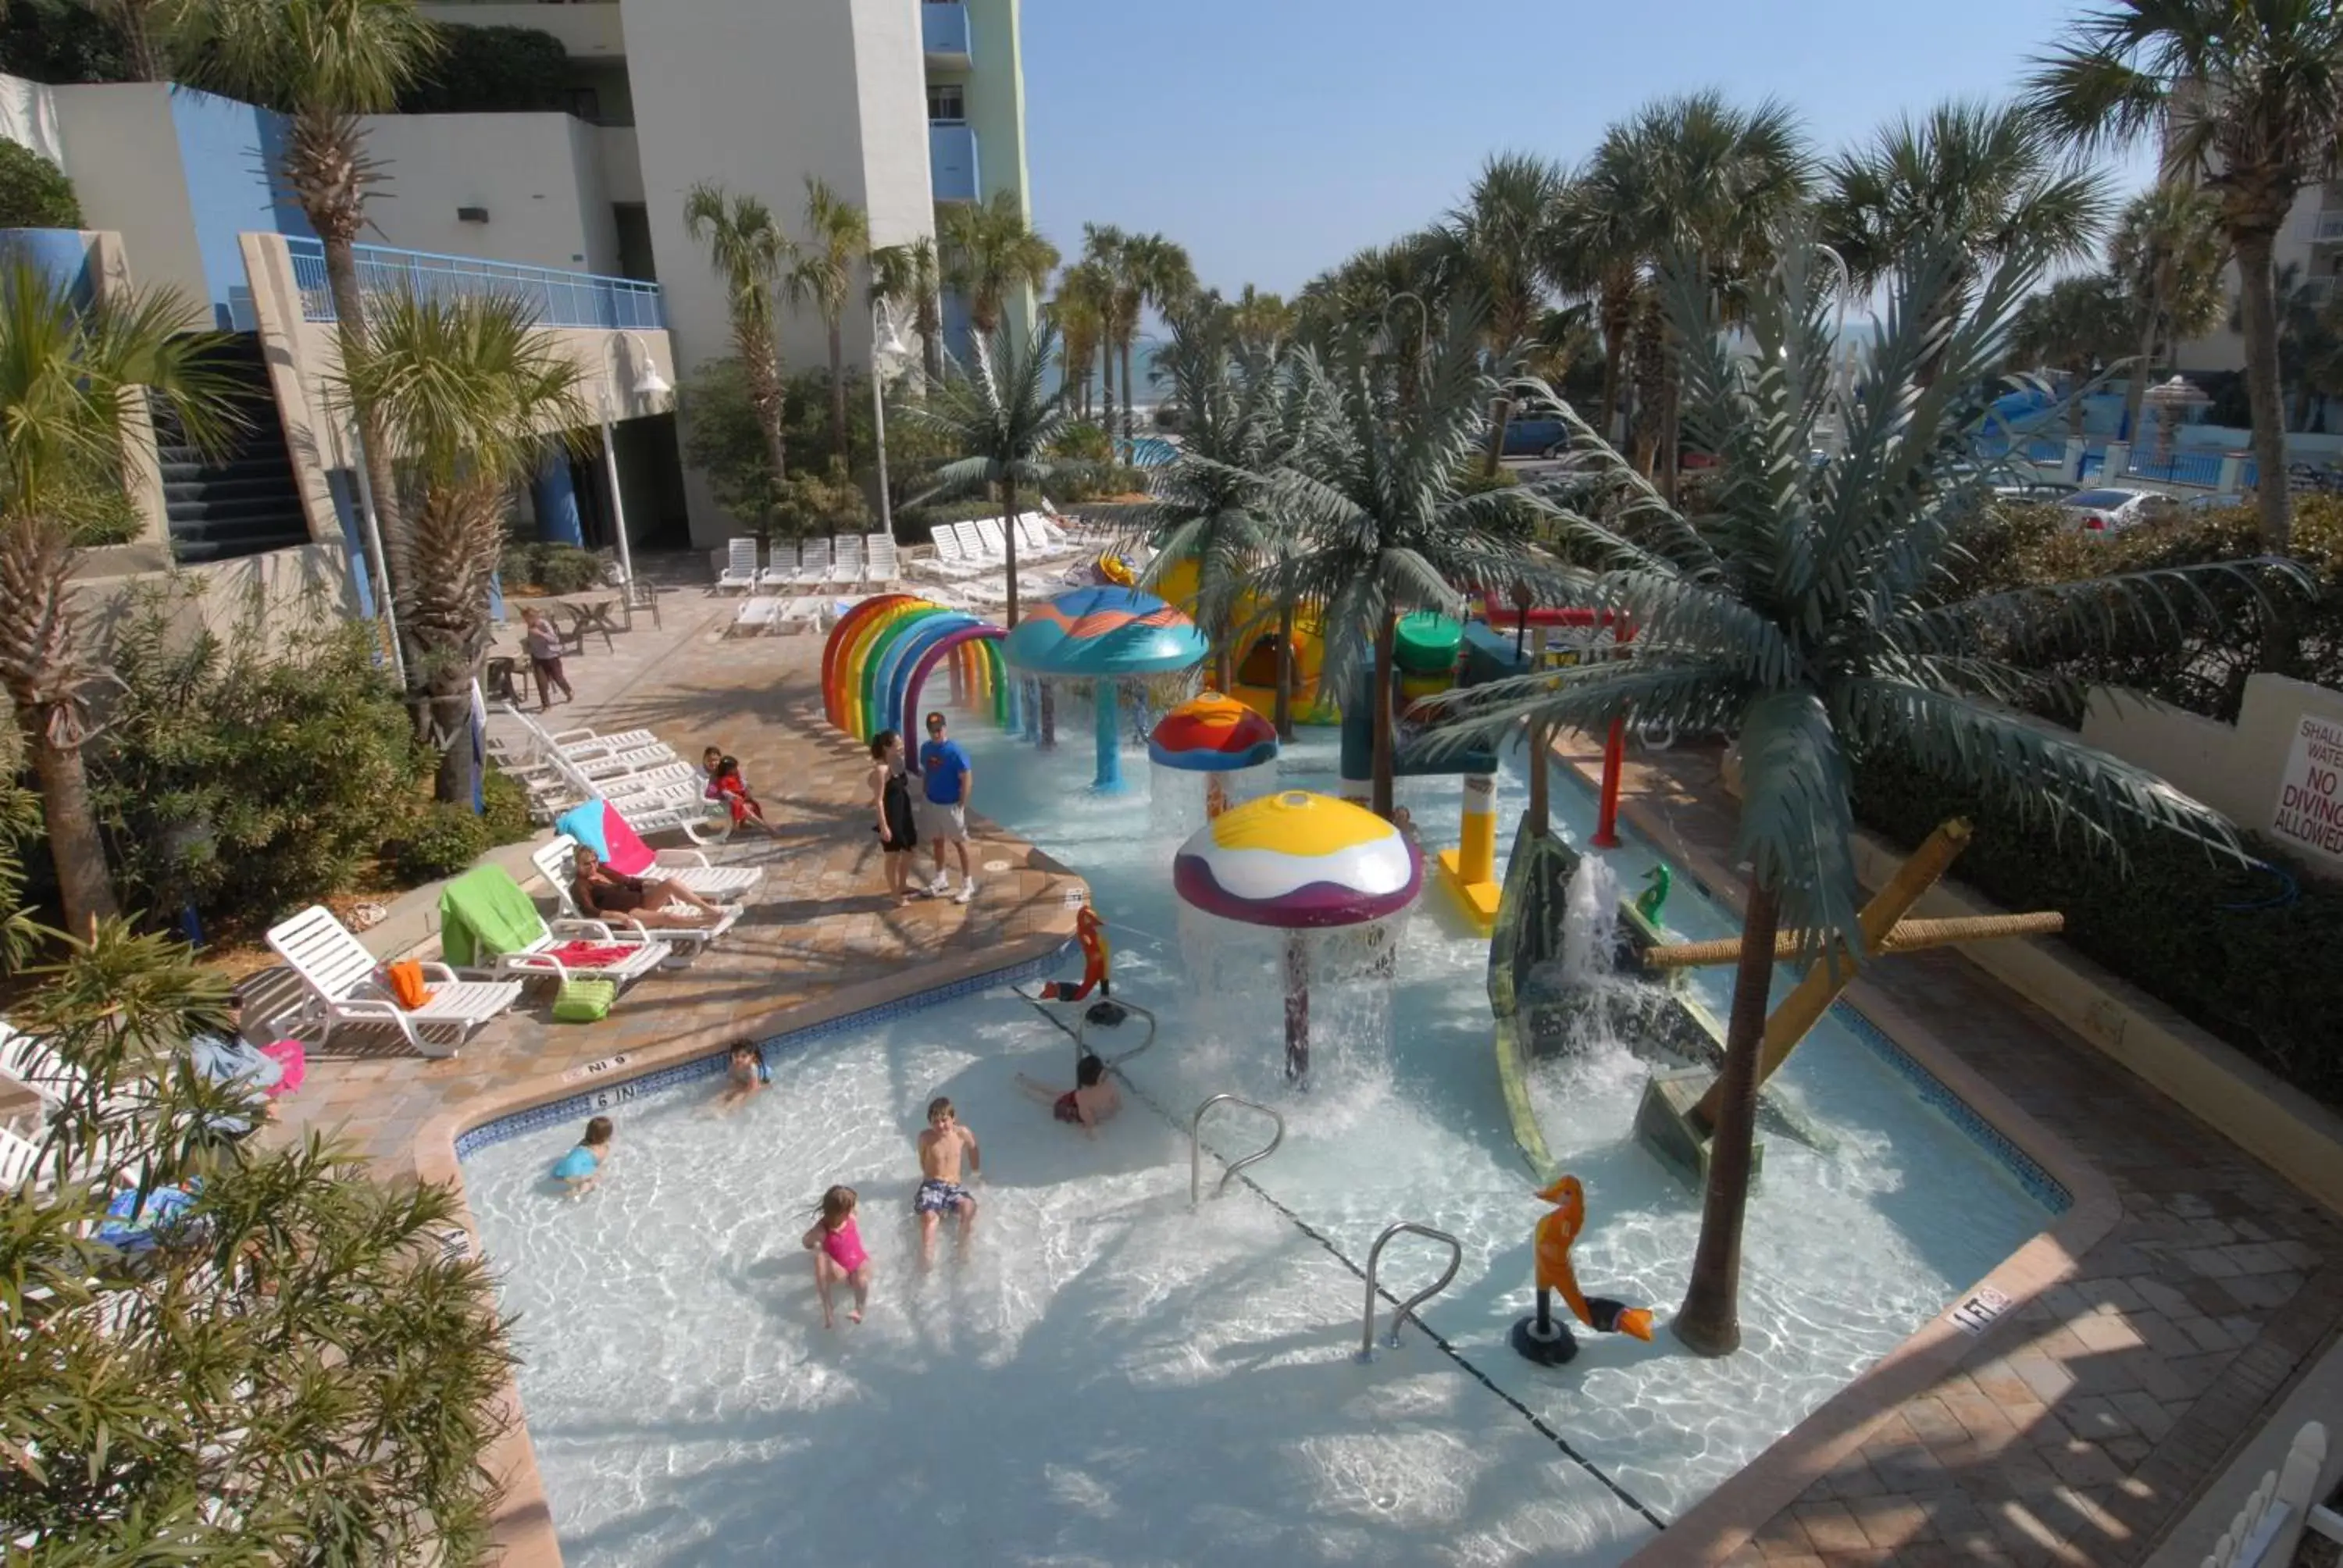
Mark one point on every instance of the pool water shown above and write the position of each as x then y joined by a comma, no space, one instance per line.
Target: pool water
1109,1378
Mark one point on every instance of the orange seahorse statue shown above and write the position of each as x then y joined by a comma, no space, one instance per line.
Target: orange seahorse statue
1097,956
1540,1338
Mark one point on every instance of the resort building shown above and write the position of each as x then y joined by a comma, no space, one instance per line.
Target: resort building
2308,256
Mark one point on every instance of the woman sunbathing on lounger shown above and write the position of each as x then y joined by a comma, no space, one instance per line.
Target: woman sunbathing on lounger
601,891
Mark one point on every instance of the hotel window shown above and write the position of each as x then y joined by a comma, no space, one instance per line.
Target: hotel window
947,102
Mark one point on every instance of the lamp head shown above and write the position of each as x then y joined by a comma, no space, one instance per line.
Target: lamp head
651,384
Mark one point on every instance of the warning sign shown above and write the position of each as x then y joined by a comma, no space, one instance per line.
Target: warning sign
2309,813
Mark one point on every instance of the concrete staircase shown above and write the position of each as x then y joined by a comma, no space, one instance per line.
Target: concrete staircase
246,499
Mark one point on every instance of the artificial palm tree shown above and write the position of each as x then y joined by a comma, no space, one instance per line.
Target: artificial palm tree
1805,617
906,277
325,63
2077,324
2167,249
992,256
751,254
837,239
997,413
66,376
2248,101
1374,496
1507,245
475,393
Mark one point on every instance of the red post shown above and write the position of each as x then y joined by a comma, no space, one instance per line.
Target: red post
1606,822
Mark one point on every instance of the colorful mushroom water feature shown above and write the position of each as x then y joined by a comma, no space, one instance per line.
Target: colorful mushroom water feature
1104,636
1298,862
1213,735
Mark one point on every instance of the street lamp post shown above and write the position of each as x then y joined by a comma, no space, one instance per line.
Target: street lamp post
648,384
886,342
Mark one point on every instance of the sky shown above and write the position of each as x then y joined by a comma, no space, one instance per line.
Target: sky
1274,138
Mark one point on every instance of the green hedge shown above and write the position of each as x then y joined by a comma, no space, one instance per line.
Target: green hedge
492,70
2220,943
33,191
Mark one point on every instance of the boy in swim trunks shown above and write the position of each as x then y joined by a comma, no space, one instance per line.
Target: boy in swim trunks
940,1193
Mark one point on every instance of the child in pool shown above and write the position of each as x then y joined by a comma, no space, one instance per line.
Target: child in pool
941,1148
581,1168
1091,1100
744,1077
837,1247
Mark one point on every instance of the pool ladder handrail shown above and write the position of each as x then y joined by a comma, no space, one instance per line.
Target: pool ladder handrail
1196,1146
1407,1308
1082,1029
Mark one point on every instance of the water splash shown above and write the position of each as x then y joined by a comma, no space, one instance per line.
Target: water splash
1590,923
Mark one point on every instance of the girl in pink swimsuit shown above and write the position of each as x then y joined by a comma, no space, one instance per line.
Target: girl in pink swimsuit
837,1248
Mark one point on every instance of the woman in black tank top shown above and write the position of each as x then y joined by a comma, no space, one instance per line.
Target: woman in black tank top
890,793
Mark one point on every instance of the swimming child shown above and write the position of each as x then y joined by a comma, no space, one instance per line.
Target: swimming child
837,1254
581,1168
1091,1100
941,1192
744,1075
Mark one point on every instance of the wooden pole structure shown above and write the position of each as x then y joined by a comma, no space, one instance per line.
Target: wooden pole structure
1803,1007
1909,936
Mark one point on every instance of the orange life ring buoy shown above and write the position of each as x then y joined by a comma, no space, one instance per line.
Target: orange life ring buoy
1097,956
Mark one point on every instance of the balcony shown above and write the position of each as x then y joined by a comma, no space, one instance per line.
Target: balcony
952,161
574,299
943,32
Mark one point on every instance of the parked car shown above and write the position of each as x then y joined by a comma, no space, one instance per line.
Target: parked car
2035,493
2226,501
1535,437
2111,510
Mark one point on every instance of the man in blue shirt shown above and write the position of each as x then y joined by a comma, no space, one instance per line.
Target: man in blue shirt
948,776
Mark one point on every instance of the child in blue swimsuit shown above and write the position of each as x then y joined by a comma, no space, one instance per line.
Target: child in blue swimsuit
582,1166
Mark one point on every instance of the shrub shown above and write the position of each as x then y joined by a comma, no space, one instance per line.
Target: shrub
813,503
247,783
566,568
33,191
61,40
491,70
504,809
440,840
2219,942
1085,443
1089,484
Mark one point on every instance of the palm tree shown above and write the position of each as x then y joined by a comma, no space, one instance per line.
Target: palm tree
1804,616
1079,311
1373,497
2249,100
990,256
1106,250
1213,506
906,277
838,238
475,393
138,22
1508,247
1602,230
325,63
750,253
996,412
1390,296
1160,276
1263,321
2169,250
2077,324
67,374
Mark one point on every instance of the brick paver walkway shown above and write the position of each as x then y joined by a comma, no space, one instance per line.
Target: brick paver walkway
2078,1429
819,924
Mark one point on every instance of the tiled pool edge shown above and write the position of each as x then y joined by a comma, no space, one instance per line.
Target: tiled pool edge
523,1534
1716,1527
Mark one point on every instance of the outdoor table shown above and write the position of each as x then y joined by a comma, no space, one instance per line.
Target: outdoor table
590,611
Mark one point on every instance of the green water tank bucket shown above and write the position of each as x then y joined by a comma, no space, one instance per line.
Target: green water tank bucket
1426,643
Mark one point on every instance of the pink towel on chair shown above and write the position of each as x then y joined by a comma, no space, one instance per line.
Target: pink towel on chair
628,855
293,1057
591,955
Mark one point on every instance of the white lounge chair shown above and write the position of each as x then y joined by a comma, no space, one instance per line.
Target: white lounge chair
677,811
882,565
949,561
20,1163
340,975
806,612
814,570
554,862
846,562
780,573
740,566
757,613
974,547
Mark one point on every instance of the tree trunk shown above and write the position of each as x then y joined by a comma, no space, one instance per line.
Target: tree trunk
1709,1322
138,46
837,448
1129,393
1617,310
2277,506
1281,710
1500,414
451,722
2142,372
1009,545
931,343
351,333
1106,388
67,816
1386,684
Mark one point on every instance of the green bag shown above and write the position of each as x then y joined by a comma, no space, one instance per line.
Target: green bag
585,1000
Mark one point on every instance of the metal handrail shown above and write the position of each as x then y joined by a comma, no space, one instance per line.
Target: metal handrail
560,298
1081,1032
1196,1146
1407,1308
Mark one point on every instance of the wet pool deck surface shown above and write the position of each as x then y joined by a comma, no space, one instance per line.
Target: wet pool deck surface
2075,1431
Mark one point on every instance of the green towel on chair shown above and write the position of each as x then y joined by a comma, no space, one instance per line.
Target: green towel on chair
484,913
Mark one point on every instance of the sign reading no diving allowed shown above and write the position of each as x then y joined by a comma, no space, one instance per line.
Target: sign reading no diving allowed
2310,791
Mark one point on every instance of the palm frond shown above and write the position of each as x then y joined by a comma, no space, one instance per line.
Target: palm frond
1797,824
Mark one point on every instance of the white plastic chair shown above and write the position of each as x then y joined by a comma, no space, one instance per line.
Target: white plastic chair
806,612
814,572
339,974
555,862
741,566
20,1163
882,565
780,568
974,546
758,612
846,561
539,956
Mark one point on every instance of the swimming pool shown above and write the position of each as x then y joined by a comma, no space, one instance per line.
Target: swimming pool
1109,1378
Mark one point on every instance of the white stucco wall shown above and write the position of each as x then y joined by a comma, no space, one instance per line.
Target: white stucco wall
891,69
539,177
124,157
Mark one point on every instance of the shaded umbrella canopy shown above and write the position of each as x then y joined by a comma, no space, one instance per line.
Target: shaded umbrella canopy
1099,632
1296,859
1212,734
